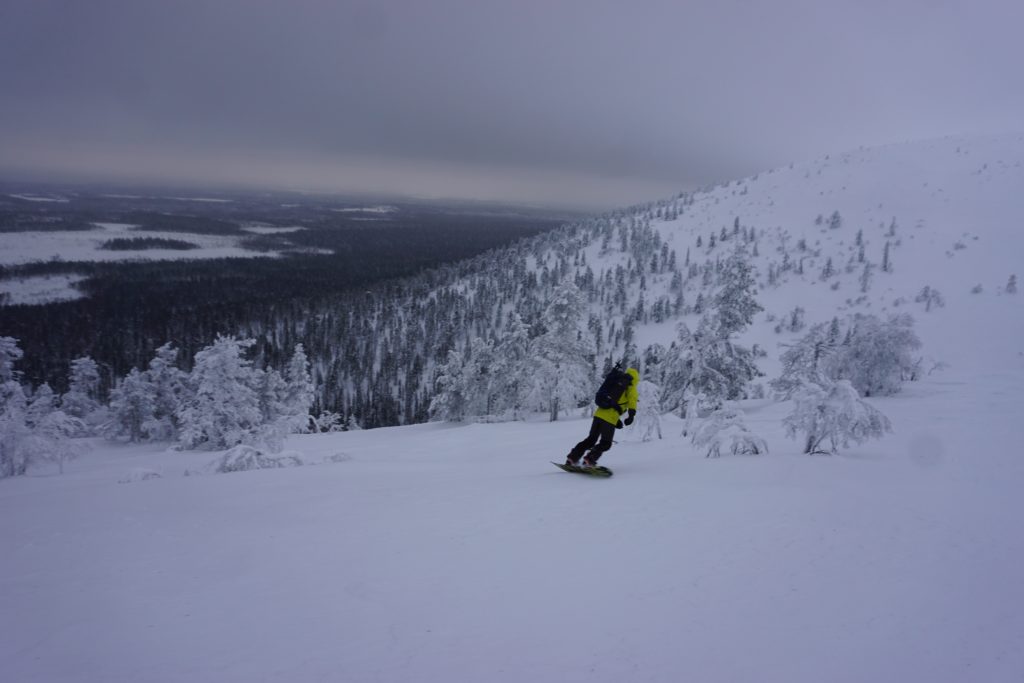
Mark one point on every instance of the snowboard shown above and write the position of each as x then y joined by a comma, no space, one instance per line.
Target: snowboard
599,471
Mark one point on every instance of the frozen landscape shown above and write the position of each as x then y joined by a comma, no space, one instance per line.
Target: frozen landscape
456,551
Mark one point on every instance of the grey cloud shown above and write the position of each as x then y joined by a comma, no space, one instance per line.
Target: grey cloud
651,94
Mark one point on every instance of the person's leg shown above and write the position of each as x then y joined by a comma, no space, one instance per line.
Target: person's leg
592,438
605,435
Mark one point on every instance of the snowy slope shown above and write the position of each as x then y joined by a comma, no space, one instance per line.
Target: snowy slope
955,203
446,552
441,552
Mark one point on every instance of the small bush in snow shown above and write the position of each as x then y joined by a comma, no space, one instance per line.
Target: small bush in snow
139,474
648,421
244,458
828,415
725,430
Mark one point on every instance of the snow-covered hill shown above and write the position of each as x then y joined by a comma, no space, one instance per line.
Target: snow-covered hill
949,211
443,552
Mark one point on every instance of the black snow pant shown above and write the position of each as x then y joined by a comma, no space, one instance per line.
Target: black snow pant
598,441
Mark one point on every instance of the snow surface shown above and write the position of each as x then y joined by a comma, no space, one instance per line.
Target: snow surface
37,198
40,289
368,209
84,245
271,230
446,552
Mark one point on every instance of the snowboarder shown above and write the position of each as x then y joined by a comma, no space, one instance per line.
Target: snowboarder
607,420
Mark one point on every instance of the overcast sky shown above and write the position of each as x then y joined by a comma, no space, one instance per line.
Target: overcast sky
583,102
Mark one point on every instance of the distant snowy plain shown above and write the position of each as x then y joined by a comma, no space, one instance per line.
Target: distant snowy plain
86,245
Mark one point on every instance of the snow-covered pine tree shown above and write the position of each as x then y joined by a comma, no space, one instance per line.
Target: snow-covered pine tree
169,392
708,361
734,303
930,296
688,372
450,401
132,406
299,392
481,378
563,372
14,430
514,355
42,403
829,415
223,409
865,278
271,389
81,399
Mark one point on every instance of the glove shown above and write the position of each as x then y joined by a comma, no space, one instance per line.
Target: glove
619,409
629,419
618,425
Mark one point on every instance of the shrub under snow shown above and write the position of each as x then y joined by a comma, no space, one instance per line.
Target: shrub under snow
833,414
725,430
243,458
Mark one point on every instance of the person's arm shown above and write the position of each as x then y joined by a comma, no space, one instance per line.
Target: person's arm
632,398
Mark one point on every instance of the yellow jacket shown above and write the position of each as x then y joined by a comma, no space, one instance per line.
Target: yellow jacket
627,401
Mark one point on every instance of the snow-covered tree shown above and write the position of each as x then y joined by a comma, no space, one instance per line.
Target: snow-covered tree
14,430
865,278
299,391
827,416
930,296
169,392
42,403
725,429
513,351
648,418
734,304
81,399
876,356
705,364
835,221
51,438
328,422
563,375
481,376
132,406
224,408
270,387
450,400
805,360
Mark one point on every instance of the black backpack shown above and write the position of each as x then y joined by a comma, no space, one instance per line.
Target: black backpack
616,382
